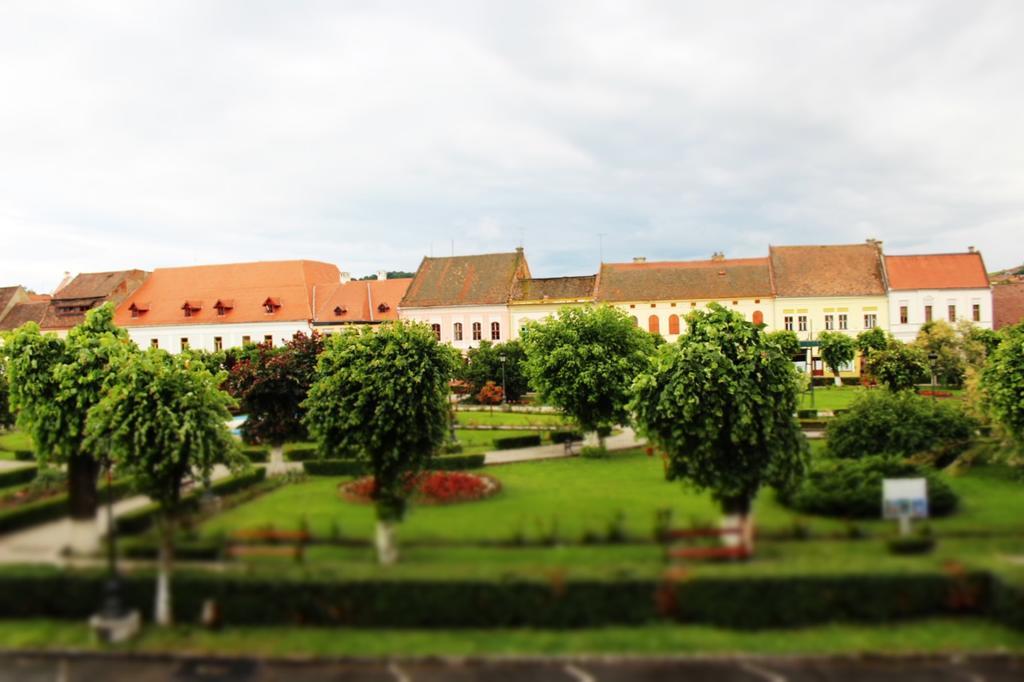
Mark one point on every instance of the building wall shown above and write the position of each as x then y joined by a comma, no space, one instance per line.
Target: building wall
816,309
202,336
447,316
643,311
940,300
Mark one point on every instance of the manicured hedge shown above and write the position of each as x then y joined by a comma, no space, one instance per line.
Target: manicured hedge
50,509
193,550
566,436
142,519
807,414
24,455
257,454
513,442
754,602
303,454
17,476
353,467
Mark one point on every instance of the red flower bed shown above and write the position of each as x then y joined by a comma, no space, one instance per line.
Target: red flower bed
430,487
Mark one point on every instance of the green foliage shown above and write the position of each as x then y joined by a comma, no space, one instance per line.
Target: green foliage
513,442
837,349
490,394
872,340
787,342
49,509
6,416
382,396
938,338
585,360
720,403
881,422
483,365
10,477
899,366
1002,381
977,343
852,488
270,385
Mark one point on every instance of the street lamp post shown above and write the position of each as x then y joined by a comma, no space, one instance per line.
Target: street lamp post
504,398
112,597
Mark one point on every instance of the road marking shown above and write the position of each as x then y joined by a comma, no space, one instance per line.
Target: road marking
578,674
762,673
400,675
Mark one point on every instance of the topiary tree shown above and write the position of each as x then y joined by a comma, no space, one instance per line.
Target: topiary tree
54,383
899,367
871,340
1002,381
270,385
720,402
381,397
490,394
837,349
787,342
163,422
484,364
584,361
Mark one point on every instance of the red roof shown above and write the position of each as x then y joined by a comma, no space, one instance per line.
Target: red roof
363,301
1007,304
937,271
702,279
247,286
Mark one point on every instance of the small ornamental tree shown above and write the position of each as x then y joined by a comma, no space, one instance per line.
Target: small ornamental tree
490,394
54,383
720,403
899,367
484,364
837,349
270,385
584,361
382,397
164,423
787,342
943,350
871,340
1003,383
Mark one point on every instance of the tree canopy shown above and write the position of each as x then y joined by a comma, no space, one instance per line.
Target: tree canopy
6,416
787,342
483,364
939,339
872,339
837,349
899,366
1003,382
585,360
720,402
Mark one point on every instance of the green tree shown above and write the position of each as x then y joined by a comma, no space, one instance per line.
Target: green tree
720,402
1003,383
54,383
270,385
837,349
899,366
976,343
872,339
163,422
944,352
6,416
382,397
584,361
484,364
787,342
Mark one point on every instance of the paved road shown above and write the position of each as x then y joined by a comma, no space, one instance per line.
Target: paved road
53,668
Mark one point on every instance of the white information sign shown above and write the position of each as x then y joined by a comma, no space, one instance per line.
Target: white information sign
904,499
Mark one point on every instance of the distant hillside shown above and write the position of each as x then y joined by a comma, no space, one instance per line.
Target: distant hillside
1015,272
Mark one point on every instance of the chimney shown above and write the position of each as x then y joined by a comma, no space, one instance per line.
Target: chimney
877,243
971,249
346,277
718,255
382,274
519,249
639,259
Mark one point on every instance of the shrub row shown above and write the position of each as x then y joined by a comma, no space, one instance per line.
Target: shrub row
256,454
566,436
763,602
51,508
143,518
302,454
513,442
24,455
17,476
355,467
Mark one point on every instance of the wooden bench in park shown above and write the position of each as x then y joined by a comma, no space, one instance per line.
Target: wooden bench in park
739,551
935,394
245,551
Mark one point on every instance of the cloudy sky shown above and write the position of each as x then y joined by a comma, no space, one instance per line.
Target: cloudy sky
371,133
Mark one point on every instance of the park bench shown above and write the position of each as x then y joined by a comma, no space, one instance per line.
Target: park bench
721,552
715,552
935,394
243,551
265,535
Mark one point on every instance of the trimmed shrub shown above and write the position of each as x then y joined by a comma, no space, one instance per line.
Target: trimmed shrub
193,549
13,477
921,544
852,488
807,414
513,442
256,454
24,455
902,424
301,454
457,462
558,437
355,467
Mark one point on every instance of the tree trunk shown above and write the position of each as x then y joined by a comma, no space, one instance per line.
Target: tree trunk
387,546
83,498
839,382
162,613
738,515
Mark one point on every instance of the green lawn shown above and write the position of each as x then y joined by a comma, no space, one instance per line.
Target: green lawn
475,442
830,397
14,440
499,418
933,636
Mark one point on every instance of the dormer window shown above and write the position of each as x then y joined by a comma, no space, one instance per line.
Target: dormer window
340,310
383,308
223,306
271,305
138,309
192,308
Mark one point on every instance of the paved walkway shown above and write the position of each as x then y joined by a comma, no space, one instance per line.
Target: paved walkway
622,441
12,464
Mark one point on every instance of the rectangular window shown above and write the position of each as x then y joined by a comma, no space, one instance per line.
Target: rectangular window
268,339
788,322
218,343
246,340
154,343
457,331
477,332
952,312
927,313
842,321
802,323
976,312
495,331
830,322
436,328
870,320
904,314
184,344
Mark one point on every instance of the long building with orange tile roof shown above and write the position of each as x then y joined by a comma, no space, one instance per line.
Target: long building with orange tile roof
352,303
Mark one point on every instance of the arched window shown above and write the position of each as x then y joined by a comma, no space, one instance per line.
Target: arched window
458,331
653,325
476,331
495,331
436,328
673,324
758,317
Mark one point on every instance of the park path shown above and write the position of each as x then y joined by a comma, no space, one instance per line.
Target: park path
12,464
622,441
45,543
